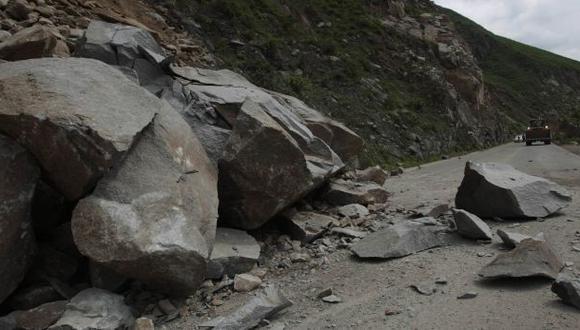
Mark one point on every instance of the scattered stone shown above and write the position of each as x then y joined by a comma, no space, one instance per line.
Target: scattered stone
40,317
568,264
307,226
4,35
166,306
424,289
50,105
342,192
246,282
511,240
391,312
325,293
471,226
234,252
261,307
576,249
468,295
353,211
18,9
332,299
143,323
33,42
18,176
300,257
498,190
567,287
529,258
398,171
95,309
428,210
484,255
372,174
400,240
441,280
349,232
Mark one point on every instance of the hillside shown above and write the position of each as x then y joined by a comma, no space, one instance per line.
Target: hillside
415,80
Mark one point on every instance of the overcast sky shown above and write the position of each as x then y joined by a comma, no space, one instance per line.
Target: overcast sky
553,25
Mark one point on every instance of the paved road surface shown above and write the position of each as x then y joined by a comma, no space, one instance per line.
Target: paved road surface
369,288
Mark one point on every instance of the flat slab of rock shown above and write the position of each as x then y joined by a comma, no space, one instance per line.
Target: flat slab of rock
342,192
249,315
471,226
530,258
95,309
497,190
18,176
234,252
307,226
40,317
154,217
513,239
567,287
78,117
399,240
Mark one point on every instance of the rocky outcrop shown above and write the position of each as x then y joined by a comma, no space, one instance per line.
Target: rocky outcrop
498,190
18,176
95,309
153,218
78,117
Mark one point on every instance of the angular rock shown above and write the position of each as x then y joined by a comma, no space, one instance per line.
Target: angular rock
95,309
513,239
372,174
353,211
116,44
77,116
349,232
399,240
341,192
33,42
18,176
18,9
264,306
529,259
332,299
154,217
234,251
144,323
471,226
264,169
246,282
497,190
307,226
40,317
430,210
567,287
30,297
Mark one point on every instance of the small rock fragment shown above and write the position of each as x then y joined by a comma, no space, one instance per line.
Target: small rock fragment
348,232
325,293
567,287
471,226
332,299
424,289
511,239
353,211
468,295
144,323
246,282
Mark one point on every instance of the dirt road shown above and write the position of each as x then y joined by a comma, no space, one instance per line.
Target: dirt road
368,289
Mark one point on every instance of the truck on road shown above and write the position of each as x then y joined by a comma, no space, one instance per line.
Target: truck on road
538,131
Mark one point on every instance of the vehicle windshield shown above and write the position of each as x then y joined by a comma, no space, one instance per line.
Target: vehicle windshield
537,123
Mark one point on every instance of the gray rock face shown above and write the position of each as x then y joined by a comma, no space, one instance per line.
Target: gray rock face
77,116
253,312
153,218
400,240
342,192
471,226
530,258
234,251
40,317
513,239
95,309
567,287
116,44
264,169
498,190
307,226
18,177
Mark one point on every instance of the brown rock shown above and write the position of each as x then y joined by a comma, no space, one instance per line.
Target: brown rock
342,192
18,9
372,174
33,42
37,318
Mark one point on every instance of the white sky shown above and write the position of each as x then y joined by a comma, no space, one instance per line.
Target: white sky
553,25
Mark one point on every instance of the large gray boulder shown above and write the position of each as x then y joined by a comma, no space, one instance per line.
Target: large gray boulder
95,309
154,217
400,240
529,259
264,169
567,287
498,190
18,177
78,117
